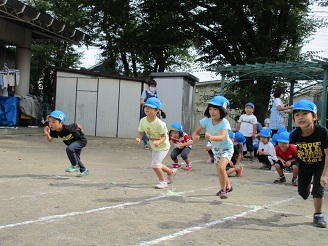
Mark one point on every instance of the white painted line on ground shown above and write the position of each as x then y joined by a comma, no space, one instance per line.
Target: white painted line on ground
61,216
209,224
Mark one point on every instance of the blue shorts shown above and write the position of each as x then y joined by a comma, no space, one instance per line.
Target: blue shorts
221,153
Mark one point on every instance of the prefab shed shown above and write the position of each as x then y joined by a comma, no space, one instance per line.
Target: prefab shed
106,106
176,91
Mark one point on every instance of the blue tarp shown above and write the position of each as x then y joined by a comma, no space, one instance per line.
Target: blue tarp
9,113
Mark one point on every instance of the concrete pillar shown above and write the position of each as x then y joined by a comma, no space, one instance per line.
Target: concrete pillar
23,63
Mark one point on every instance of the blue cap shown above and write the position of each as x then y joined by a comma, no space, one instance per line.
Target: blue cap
57,114
231,134
265,133
240,138
283,137
306,105
281,129
153,102
250,104
176,127
274,139
220,101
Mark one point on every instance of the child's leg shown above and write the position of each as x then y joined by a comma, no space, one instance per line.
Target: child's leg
73,152
156,163
279,169
184,155
295,170
174,154
160,174
221,170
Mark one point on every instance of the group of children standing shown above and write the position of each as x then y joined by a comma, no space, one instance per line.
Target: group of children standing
310,138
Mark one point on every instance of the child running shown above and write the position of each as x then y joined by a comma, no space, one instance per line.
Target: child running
156,131
182,143
311,140
72,135
217,127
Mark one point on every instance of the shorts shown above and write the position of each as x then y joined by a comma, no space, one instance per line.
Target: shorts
249,144
294,163
219,153
157,157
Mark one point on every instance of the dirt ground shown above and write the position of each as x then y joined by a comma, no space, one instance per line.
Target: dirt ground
117,204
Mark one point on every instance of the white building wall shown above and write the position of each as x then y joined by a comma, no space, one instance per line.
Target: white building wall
108,107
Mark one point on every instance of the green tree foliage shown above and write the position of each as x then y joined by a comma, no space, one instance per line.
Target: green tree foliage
240,32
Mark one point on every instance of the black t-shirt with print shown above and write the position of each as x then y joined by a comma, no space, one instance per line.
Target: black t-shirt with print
69,134
310,149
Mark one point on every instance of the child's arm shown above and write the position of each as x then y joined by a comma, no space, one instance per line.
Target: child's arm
282,160
79,127
160,141
218,138
324,176
139,137
254,131
196,133
46,131
238,126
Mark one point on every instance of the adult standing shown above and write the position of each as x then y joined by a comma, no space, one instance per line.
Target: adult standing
277,111
150,92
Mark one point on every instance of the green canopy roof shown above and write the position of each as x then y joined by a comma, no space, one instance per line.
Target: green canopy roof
314,69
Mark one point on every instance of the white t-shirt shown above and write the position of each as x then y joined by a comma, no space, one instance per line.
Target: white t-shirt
246,124
269,148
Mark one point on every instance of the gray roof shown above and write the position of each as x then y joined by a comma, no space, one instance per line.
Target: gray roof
43,26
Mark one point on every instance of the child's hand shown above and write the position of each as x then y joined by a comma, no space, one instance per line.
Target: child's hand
180,146
323,180
156,143
207,136
196,138
208,148
46,130
137,140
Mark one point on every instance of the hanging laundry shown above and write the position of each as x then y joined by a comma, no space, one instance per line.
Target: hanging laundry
1,82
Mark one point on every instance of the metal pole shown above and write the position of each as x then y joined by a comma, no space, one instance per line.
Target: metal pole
324,98
222,83
291,101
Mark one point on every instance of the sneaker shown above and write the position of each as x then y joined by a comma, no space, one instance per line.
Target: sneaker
319,221
273,168
253,158
85,173
239,172
280,180
171,176
175,165
73,169
295,181
229,189
188,167
146,147
222,194
161,184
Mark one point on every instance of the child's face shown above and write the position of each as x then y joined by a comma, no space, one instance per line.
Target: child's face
54,124
214,113
150,111
175,134
304,119
267,124
283,146
264,140
248,110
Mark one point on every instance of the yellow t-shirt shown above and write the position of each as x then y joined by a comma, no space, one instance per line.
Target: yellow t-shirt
154,131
